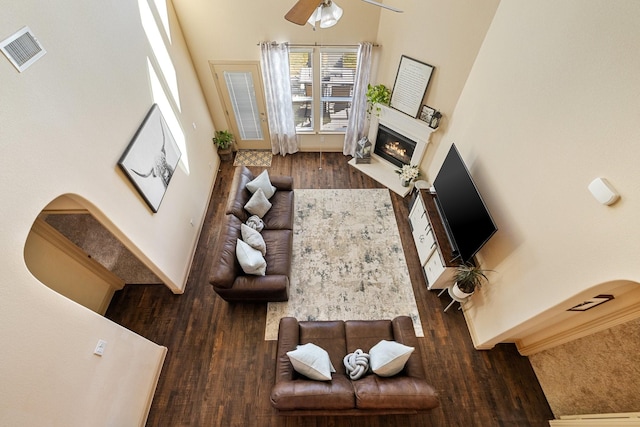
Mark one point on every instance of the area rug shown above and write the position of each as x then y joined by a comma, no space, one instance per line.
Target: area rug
347,261
253,158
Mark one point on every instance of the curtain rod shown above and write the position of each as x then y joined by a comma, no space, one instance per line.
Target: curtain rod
321,45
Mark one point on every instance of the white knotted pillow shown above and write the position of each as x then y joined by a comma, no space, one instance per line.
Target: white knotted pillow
356,364
255,222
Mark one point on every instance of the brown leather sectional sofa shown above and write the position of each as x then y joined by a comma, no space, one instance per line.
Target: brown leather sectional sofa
227,278
294,394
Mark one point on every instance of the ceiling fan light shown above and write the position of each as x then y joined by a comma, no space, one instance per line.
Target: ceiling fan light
331,13
315,16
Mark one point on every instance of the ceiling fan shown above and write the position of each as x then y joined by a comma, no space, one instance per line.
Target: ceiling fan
305,9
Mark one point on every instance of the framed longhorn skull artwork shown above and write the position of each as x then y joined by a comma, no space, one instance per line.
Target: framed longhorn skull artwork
151,158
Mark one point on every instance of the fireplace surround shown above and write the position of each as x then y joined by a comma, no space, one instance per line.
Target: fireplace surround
406,127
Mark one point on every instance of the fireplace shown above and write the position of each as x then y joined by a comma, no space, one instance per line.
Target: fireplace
394,147
408,139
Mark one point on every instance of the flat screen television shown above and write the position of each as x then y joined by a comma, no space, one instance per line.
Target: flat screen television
464,213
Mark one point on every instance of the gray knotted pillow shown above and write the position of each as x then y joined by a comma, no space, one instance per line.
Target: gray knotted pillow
356,364
255,222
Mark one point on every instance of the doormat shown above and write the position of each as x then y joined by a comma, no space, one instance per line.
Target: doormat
253,158
347,261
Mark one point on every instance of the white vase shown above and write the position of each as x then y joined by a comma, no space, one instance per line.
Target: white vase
459,293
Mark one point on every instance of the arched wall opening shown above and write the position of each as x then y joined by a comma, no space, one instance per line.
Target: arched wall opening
80,255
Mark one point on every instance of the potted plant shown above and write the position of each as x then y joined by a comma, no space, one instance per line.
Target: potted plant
408,173
223,141
378,94
467,278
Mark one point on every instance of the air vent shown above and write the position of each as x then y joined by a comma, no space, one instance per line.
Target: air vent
22,49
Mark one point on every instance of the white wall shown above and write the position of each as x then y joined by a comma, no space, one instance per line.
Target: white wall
551,103
64,123
446,35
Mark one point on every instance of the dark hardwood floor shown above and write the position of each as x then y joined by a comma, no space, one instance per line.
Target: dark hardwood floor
219,370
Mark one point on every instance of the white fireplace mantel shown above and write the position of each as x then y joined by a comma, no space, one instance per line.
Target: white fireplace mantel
382,170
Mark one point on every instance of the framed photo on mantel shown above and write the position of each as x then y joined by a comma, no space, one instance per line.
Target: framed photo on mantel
410,86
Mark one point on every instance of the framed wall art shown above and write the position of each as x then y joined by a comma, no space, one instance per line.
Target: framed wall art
410,86
151,158
426,114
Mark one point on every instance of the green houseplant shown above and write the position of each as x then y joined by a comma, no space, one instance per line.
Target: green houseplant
468,277
223,141
378,94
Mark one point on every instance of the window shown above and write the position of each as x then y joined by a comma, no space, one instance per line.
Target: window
301,72
327,88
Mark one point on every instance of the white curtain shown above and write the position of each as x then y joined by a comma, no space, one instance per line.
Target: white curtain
277,87
358,116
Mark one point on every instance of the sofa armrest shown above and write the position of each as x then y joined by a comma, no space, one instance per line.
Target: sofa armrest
403,332
249,288
288,339
281,182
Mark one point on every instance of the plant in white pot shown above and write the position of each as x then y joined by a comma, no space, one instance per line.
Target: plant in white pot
467,278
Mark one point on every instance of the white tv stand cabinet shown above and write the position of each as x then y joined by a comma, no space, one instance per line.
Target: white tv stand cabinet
432,242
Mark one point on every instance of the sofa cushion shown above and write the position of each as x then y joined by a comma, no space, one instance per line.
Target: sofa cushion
280,216
315,395
374,392
387,358
328,335
279,249
365,334
253,238
311,361
258,204
250,259
263,182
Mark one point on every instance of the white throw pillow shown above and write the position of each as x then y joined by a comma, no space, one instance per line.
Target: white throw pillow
262,181
258,204
253,239
250,259
387,358
311,361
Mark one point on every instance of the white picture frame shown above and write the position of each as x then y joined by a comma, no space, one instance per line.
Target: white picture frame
151,158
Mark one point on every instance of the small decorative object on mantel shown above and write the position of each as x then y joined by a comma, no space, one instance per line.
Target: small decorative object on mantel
223,141
408,174
426,114
435,120
363,151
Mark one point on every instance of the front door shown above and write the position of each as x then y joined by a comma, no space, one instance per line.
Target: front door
240,88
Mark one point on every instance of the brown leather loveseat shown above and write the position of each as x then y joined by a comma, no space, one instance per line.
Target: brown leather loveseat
227,278
294,394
